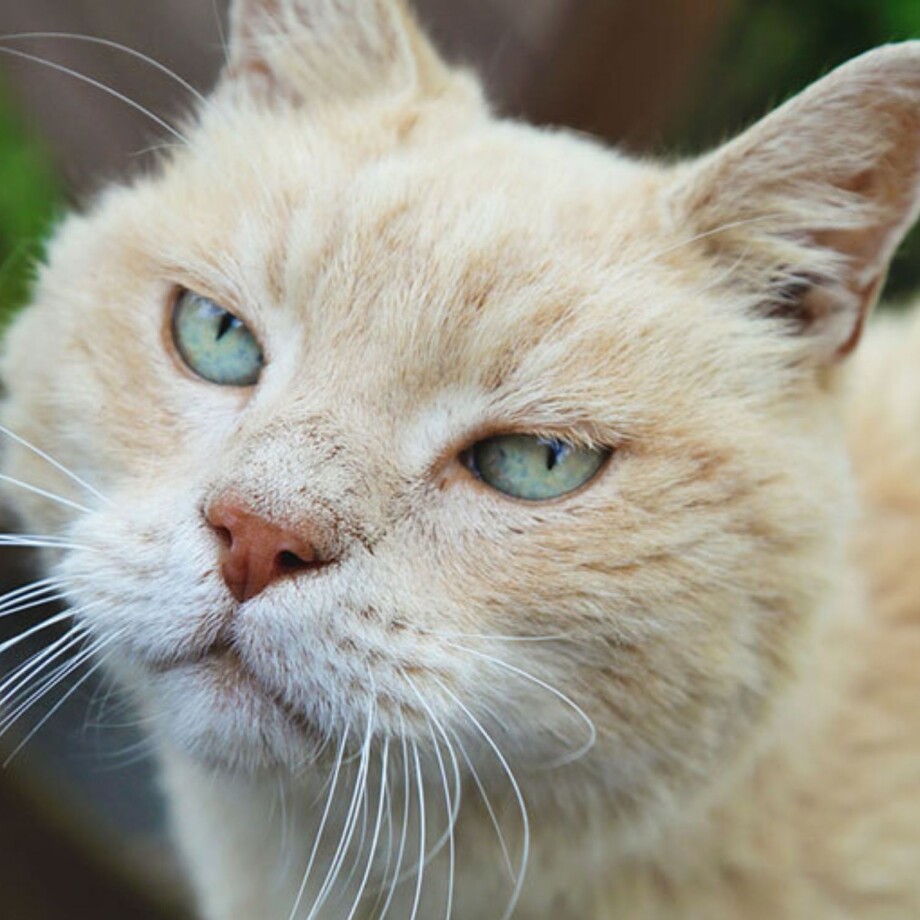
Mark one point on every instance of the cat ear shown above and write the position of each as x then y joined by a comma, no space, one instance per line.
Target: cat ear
298,50
806,208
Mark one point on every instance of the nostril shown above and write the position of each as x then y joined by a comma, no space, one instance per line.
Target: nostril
291,562
224,535
288,562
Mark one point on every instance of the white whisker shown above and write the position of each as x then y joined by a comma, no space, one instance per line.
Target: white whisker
351,819
39,542
385,872
697,237
284,846
489,808
221,34
451,820
31,589
454,807
405,823
37,491
45,624
525,819
551,637
377,825
589,723
356,861
37,663
83,78
70,474
117,46
322,824
32,603
64,698
48,683
421,833
127,756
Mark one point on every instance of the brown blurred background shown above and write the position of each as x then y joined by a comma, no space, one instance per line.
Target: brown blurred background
81,830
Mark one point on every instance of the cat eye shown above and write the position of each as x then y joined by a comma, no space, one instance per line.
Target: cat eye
214,343
534,468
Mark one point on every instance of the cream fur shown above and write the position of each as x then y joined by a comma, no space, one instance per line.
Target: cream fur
733,603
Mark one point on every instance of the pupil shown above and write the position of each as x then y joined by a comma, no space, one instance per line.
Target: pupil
552,455
226,324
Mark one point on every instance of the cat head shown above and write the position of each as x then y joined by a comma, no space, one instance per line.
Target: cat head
406,422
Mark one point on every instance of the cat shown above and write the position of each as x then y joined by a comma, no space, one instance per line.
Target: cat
484,522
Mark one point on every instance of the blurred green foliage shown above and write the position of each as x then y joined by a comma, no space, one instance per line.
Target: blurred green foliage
29,192
774,48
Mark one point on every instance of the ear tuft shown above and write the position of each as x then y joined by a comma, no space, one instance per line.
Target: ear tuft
303,50
809,205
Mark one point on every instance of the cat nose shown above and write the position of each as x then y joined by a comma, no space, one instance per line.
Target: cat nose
255,552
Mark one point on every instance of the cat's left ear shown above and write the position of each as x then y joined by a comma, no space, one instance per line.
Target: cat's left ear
304,50
805,209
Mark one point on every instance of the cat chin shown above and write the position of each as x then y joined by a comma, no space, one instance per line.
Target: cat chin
214,712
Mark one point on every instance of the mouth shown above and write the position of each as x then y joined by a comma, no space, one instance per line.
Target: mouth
230,680
230,675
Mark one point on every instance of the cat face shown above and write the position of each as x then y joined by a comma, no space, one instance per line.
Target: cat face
416,278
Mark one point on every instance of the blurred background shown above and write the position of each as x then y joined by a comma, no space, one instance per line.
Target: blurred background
81,827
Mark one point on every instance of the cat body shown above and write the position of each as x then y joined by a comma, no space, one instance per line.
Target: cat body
394,665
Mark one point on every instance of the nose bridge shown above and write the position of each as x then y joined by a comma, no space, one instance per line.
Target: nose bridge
301,472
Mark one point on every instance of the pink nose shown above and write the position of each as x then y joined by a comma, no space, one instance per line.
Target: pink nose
255,552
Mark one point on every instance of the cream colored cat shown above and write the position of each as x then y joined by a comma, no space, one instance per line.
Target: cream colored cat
469,507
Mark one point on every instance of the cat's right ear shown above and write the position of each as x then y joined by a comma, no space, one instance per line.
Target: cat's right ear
299,51
806,208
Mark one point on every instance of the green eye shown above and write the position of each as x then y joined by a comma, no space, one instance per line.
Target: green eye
214,343
532,468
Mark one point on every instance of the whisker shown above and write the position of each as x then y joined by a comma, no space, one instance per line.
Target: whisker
117,46
45,624
373,850
37,491
421,833
451,820
697,237
220,32
64,698
454,808
525,819
589,723
385,873
70,474
96,719
28,592
62,670
489,808
351,820
405,823
157,148
131,754
31,603
83,78
322,824
362,839
551,637
39,542
285,844
37,663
